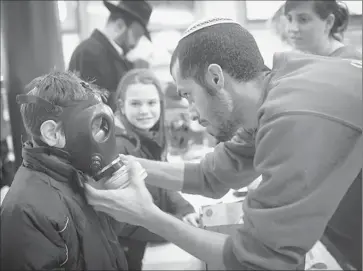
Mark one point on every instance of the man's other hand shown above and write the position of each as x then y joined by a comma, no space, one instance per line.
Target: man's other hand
192,219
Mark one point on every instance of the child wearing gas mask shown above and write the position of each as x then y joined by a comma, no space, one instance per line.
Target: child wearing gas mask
140,132
46,223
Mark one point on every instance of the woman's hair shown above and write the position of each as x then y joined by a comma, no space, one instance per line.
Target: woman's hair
323,9
141,76
137,76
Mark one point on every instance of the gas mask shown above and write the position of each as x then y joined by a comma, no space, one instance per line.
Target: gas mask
89,131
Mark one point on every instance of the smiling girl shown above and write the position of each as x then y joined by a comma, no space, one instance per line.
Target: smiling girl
140,132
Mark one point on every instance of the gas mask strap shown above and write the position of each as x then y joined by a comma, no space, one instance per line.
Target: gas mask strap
49,107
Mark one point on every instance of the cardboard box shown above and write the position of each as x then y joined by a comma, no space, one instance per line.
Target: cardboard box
222,214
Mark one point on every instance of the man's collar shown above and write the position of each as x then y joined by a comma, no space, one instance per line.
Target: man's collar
113,43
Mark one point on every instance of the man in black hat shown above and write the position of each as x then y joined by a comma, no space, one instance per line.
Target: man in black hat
102,57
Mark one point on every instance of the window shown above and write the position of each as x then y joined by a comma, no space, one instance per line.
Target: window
170,17
69,42
3,59
171,3
167,23
69,23
95,16
355,7
68,15
262,10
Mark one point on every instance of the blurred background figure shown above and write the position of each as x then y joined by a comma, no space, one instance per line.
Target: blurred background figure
103,56
316,27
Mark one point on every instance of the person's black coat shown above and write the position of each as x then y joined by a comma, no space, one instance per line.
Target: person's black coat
47,225
95,59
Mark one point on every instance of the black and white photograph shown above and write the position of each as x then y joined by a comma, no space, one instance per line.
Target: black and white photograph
181,135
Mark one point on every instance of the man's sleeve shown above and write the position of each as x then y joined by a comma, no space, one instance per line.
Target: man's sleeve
229,166
307,165
27,244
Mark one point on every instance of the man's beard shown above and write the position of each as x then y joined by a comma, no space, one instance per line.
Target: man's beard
222,137
122,43
225,132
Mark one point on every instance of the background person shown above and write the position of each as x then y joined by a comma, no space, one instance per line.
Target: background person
315,27
102,58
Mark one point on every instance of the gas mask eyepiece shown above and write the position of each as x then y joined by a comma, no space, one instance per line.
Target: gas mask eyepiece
101,129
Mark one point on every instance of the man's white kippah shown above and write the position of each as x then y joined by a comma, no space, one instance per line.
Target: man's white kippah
198,25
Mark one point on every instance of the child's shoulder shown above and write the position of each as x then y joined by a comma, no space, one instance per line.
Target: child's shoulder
124,141
125,144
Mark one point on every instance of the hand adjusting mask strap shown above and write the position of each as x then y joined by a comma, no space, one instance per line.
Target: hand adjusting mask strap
49,107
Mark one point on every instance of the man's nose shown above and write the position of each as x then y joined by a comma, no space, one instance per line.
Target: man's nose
293,26
193,113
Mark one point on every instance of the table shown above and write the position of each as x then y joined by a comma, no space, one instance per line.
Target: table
170,257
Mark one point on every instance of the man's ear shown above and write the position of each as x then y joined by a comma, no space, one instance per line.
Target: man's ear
215,77
329,23
51,134
121,25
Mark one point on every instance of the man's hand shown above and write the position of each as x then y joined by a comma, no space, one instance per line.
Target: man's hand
134,205
192,219
130,204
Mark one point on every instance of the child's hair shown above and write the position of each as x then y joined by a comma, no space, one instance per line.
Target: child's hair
137,76
141,76
58,88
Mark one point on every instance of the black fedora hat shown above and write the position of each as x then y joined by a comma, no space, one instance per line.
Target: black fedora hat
138,9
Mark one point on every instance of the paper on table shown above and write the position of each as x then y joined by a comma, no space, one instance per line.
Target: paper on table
222,214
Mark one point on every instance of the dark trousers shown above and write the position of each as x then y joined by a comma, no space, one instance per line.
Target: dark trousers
134,251
343,234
